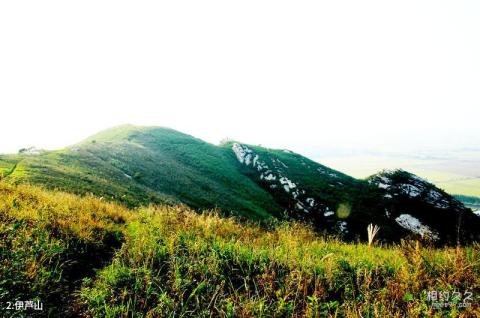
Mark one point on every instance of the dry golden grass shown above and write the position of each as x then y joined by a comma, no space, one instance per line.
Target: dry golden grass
170,261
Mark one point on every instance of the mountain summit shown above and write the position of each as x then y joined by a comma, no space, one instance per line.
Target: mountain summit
145,165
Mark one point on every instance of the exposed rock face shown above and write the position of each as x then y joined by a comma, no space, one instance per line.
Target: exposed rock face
421,208
415,226
273,174
400,202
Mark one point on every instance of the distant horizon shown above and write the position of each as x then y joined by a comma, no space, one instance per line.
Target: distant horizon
337,150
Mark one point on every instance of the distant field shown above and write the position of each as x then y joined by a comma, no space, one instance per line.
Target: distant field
460,175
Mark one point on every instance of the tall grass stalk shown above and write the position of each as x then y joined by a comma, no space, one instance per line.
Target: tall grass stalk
372,231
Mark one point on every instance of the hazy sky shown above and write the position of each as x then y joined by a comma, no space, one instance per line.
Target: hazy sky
302,75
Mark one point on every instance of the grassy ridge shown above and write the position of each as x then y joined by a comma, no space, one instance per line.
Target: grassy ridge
143,165
170,261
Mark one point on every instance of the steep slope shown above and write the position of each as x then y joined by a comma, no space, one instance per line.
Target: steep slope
329,199
144,165
400,202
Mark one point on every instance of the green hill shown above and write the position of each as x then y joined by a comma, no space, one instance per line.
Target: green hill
142,165
146,165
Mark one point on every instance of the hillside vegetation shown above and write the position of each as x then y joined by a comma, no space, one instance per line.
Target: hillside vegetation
95,259
138,166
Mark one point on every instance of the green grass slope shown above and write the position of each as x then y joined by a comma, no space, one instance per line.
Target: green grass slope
142,165
83,257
